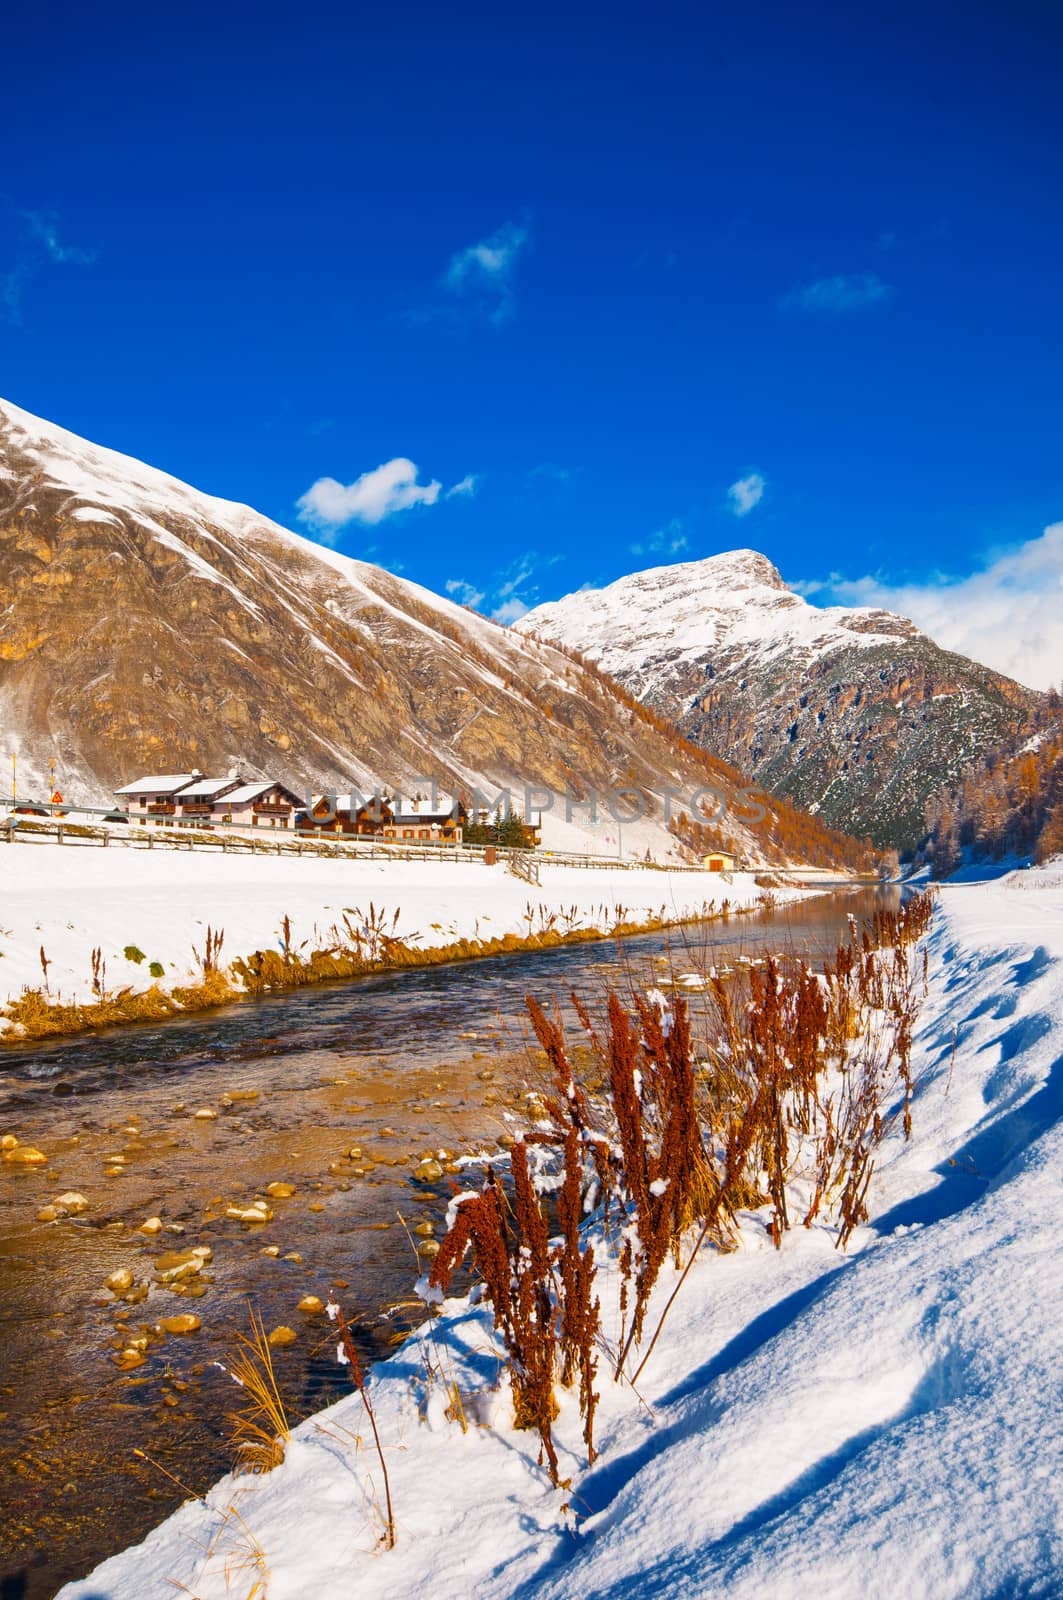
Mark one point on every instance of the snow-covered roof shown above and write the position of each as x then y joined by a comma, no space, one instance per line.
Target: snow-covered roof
166,783
421,809
252,791
207,788
352,802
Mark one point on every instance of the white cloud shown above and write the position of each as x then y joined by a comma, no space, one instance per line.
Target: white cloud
467,487
1008,615
482,274
511,611
837,296
464,593
669,540
392,487
746,493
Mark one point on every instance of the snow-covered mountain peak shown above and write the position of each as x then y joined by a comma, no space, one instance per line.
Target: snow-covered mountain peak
701,610
853,713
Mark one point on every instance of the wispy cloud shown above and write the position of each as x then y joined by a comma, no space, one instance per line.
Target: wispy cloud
43,226
466,594
481,275
508,593
328,505
38,246
838,296
465,489
667,541
1005,615
745,494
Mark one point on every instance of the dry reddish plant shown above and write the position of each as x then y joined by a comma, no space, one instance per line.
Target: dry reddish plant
795,1069
580,1319
515,1264
350,1358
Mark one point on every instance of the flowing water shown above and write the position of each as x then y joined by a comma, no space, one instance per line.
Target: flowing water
395,1067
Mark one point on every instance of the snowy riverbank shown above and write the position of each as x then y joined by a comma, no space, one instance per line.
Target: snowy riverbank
867,1425
139,907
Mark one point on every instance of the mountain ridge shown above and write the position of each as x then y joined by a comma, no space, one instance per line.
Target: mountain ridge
146,626
851,713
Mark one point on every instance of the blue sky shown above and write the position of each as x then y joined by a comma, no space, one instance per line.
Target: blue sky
596,287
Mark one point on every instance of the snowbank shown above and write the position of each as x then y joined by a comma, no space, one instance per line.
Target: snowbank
72,899
880,1424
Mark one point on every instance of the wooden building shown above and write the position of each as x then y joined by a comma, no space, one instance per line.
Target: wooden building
720,861
188,799
154,799
348,814
424,821
259,805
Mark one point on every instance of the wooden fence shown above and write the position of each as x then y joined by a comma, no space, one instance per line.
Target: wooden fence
524,864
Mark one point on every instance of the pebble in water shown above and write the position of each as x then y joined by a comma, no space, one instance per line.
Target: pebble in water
184,1322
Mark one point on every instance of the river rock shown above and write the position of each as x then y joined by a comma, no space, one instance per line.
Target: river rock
293,1255
424,1230
120,1280
184,1322
47,1214
151,1226
174,1265
259,1212
315,1205
311,1305
24,1155
126,1360
8,1142
70,1204
428,1247
206,1114
280,1191
428,1171
354,1153
273,1250
282,1336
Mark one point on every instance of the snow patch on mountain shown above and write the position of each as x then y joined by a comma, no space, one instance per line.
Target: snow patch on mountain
735,602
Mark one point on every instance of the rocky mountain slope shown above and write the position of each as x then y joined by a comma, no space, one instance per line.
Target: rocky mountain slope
145,626
852,714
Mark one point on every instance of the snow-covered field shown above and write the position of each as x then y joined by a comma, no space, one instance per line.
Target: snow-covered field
885,1423
70,900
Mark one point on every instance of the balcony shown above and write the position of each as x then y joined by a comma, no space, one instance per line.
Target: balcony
162,808
272,808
